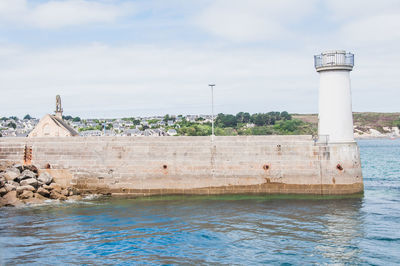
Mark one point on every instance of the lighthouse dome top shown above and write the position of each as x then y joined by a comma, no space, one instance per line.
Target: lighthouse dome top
334,60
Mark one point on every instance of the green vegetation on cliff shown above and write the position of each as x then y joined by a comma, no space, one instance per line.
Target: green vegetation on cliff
377,121
363,122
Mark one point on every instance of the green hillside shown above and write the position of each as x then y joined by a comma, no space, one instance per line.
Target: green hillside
363,121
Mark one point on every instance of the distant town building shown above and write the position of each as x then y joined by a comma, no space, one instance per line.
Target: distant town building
132,132
90,133
172,132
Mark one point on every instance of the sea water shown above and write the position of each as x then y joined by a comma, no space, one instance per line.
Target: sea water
218,230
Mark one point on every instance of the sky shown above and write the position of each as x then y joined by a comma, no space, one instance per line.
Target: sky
119,58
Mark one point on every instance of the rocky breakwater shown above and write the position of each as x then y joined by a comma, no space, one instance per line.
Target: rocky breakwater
24,184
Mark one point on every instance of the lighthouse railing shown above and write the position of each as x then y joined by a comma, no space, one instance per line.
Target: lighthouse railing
334,59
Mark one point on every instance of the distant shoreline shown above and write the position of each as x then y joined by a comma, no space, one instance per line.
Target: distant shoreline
376,137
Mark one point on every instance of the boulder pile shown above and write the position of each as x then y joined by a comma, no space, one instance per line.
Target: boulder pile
22,184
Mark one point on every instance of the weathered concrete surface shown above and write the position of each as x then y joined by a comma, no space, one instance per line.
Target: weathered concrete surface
193,165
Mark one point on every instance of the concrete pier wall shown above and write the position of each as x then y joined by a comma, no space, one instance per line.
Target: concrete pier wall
193,165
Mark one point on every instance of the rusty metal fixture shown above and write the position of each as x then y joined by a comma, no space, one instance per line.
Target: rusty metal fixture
47,166
339,167
266,167
27,154
165,166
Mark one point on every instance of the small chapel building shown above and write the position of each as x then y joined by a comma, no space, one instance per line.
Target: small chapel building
53,125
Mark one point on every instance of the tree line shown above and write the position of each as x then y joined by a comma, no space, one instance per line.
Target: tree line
259,119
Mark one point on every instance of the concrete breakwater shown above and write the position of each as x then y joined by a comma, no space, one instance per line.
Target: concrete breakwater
192,165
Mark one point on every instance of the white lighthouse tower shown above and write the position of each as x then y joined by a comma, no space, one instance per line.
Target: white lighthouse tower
335,118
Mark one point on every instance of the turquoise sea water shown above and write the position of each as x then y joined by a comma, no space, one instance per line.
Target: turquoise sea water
218,230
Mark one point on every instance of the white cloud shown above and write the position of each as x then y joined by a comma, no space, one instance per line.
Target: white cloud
171,76
57,14
111,81
364,24
252,20
373,30
353,10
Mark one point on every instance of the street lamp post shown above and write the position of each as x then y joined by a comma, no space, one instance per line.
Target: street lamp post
212,110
